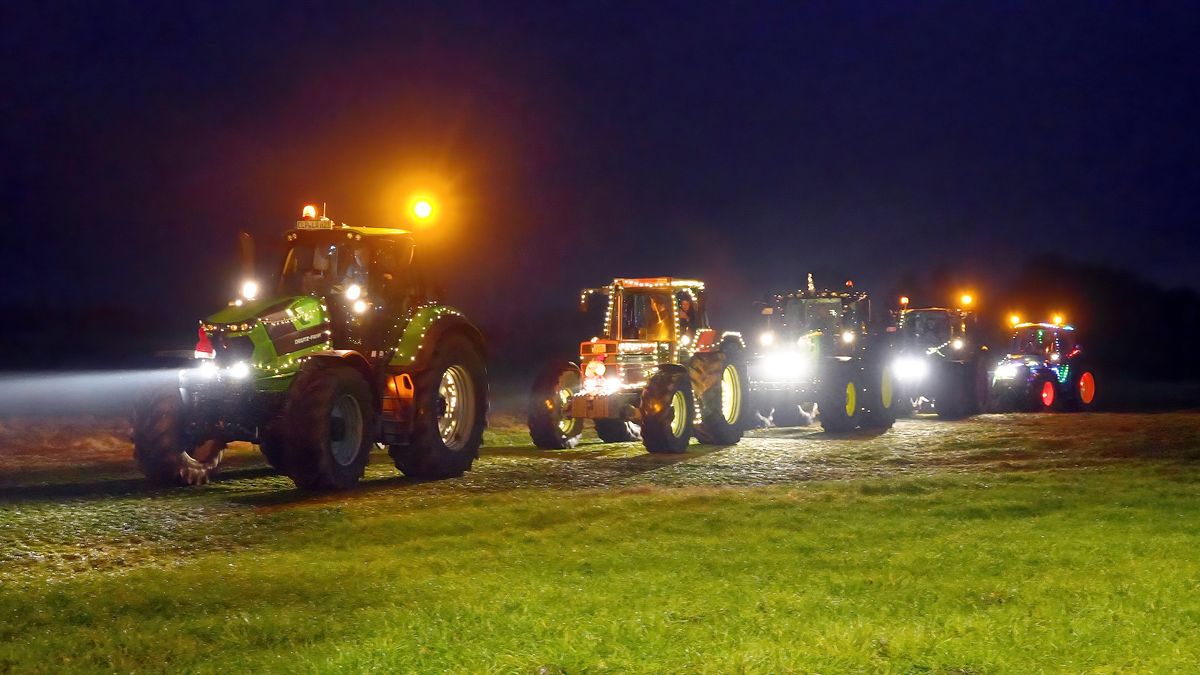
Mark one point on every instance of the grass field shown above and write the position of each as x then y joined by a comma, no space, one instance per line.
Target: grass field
1000,544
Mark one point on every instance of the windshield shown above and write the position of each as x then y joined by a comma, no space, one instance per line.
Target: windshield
646,315
1034,340
318,268
802,316
930,328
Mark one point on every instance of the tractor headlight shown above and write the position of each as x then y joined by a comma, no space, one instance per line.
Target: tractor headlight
785,365
239,370
1007,371
353,292
766,339
249,289
910,369
957,343
848,337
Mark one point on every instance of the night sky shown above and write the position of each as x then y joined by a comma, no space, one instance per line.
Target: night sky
744,143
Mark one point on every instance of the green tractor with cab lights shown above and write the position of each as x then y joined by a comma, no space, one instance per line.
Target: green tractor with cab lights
940,361
656,371
349,349
821,349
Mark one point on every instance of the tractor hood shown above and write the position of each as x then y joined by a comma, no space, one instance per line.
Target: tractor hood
270,333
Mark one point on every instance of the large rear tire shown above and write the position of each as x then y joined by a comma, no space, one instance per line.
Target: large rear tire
451,410
549,428
723,390
839,403
1043,394
667,407
160,449
329,422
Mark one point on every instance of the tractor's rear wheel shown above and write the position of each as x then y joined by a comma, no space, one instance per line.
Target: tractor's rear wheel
839,399
329,422
667,411
160,449
549,427
451,410
617,431
1083,388
1043,394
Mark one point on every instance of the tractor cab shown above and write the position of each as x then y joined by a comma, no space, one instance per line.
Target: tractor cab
935,331
824,322
1047,342
661,317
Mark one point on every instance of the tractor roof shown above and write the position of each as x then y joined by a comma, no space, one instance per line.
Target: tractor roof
824,294
1046,326
323,224
653,283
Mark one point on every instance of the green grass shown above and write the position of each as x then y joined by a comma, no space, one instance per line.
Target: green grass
1015,552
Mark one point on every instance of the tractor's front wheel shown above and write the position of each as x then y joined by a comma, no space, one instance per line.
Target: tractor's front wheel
160,448
721,381
549,426
667,411
329,421
451,410
880,395
841,409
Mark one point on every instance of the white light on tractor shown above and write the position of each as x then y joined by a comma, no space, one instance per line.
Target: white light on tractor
353,292
1007,371
239,370
786,365
957,343
685,340
612,385
910,369
207,370
848,337
249,289
766,339
360,306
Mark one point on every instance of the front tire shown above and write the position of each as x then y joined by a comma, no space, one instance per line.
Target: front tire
330,424
451,409
722,397
160,449
880,410
549,428
839,400
666,407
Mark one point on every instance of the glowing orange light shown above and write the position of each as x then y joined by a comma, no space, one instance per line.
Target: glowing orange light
309,212
904,300
1058,319
966,299
422,209
1014,319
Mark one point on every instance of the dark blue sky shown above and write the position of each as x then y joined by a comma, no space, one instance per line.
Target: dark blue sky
747,143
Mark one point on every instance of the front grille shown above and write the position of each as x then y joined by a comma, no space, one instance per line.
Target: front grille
231,349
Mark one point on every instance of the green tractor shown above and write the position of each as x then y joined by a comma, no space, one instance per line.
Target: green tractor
350,349
656,371
940,361
820,348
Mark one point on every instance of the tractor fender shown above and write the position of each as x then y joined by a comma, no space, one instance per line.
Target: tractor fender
427,328
347,357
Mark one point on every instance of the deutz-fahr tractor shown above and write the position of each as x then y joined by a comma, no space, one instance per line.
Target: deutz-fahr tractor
940,361
656,371
349,348
820,348
1045,369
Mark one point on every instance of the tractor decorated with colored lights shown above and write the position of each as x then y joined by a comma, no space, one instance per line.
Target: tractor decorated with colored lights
656,371
939,360
1045,369
819,348
350,349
